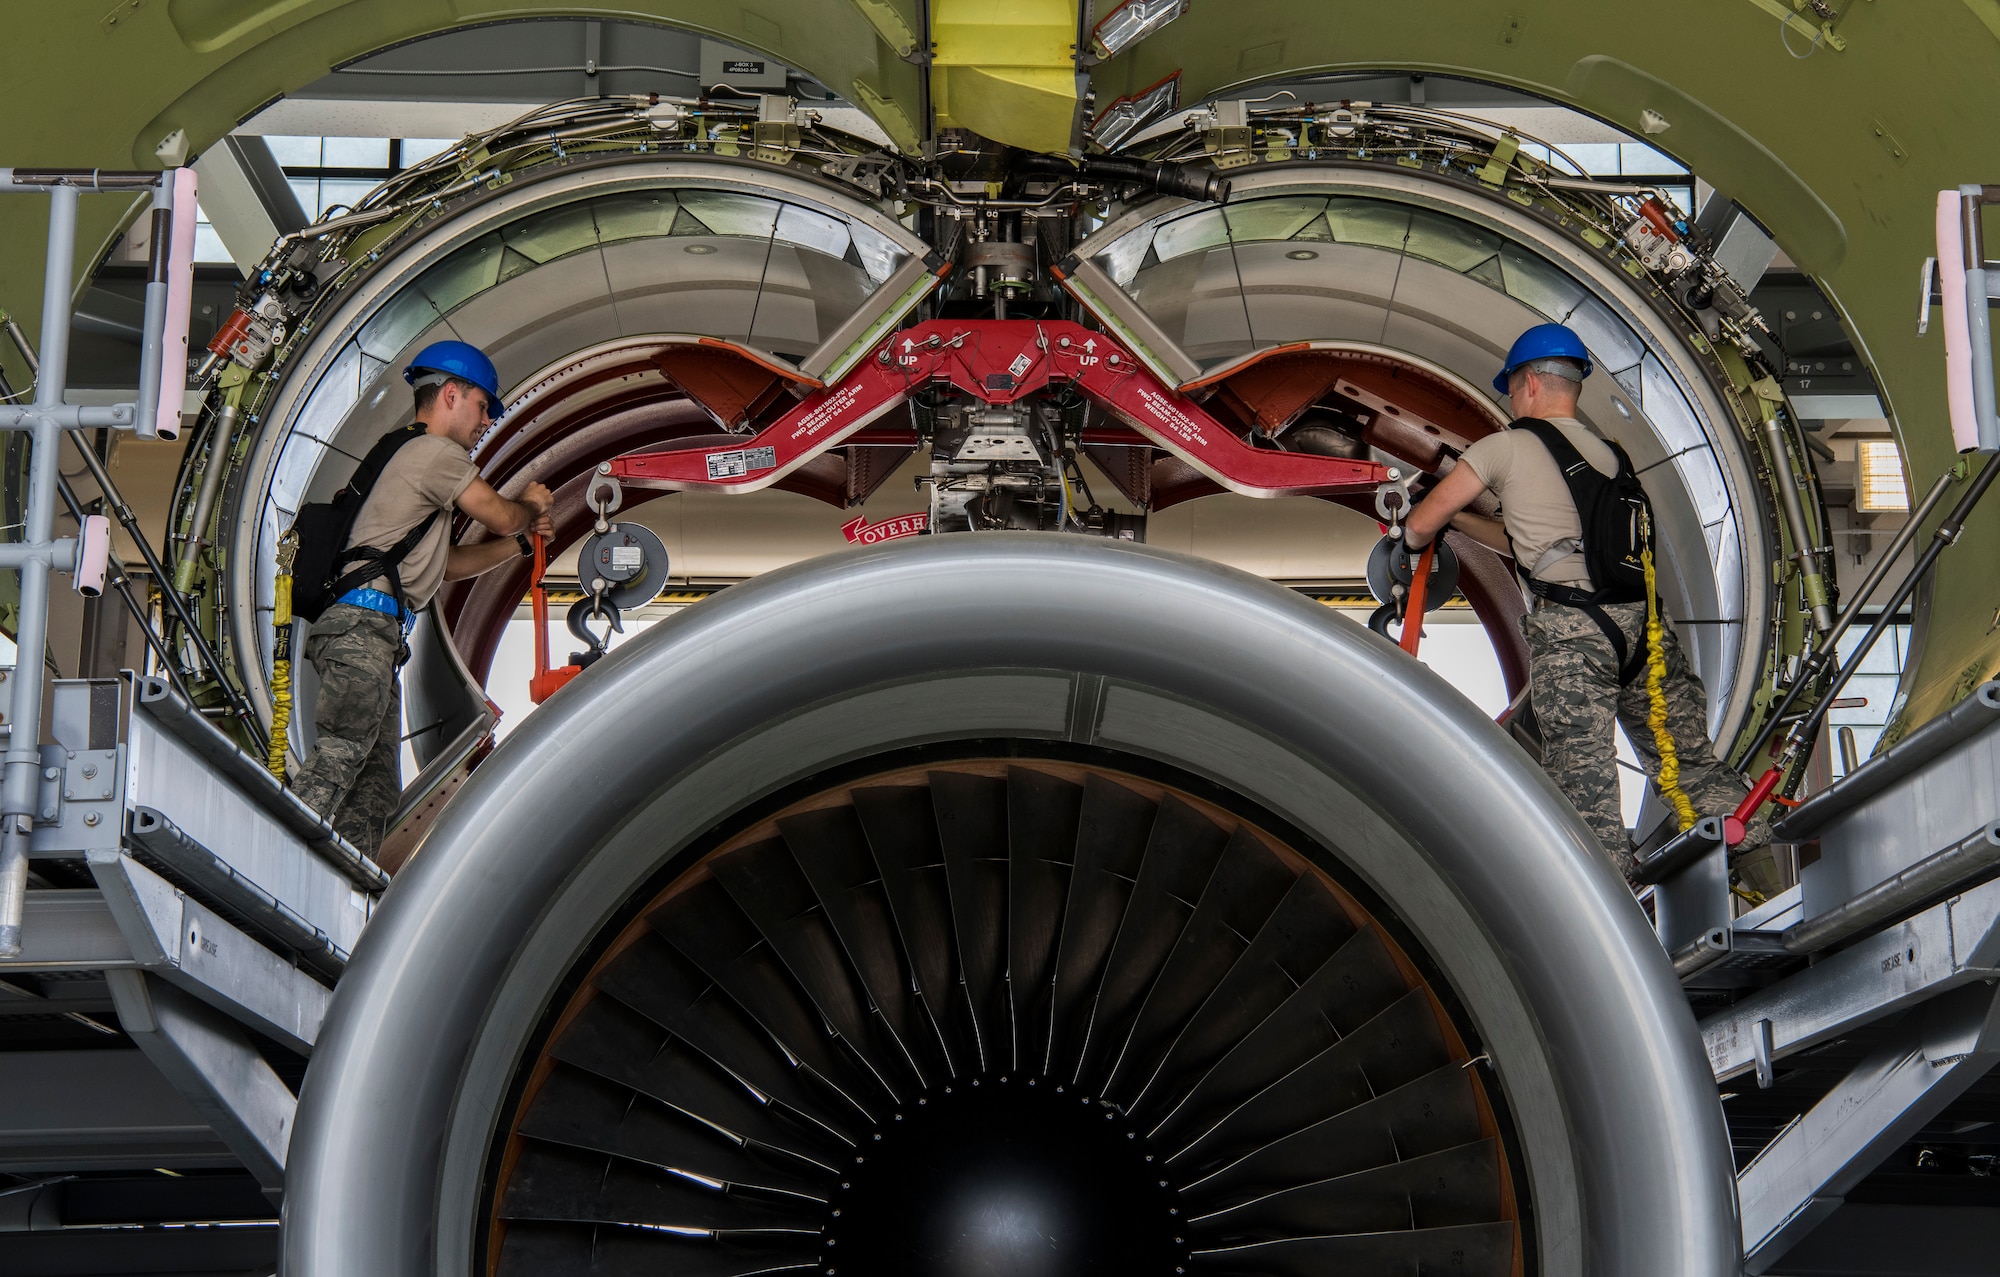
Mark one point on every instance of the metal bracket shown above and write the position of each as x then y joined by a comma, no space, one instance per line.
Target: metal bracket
212,1062
194,947
1804,1174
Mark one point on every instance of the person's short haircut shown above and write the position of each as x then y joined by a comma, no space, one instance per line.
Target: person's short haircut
428,385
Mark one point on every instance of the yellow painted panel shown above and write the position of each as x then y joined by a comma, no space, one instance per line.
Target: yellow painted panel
1016,33
1027,107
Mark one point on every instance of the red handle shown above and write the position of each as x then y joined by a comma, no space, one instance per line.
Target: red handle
543,683
1413,608
1739,820
540,595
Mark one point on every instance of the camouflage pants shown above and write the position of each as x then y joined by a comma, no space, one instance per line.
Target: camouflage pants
1573,682
353,776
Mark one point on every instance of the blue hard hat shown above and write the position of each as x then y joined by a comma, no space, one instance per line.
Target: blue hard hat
461,360
1543,341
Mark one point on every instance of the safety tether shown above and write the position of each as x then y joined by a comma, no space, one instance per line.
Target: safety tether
1656,714
281,657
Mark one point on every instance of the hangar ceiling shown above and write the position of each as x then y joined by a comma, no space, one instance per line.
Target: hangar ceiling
1836,140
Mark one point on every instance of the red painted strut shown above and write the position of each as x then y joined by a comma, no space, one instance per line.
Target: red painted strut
1001,361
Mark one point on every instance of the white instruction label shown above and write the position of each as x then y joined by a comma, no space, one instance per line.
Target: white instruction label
736,464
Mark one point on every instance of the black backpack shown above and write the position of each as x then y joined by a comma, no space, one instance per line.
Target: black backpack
1617,526
324,567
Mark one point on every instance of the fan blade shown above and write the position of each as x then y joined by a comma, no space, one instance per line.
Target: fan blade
767,884
1457,1186
652,978
1111,832
1246,886
832,849
1181,852
972,831
1428,1115
616,1043
1473,1250
535,1249
556,1183
1303,932
707,927
1396,1047
1041,843
1352,987
902,834
581,1111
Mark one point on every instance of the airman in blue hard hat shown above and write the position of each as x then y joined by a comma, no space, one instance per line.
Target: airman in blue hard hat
398,554
1587,645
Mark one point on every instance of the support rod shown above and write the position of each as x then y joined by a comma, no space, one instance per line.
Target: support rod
119,577
1830,644
21,784
122,511
1945,873
1947,534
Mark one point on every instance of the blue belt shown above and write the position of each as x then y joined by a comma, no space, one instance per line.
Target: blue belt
377,601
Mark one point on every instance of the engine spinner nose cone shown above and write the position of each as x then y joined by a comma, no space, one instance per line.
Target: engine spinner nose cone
1002,1177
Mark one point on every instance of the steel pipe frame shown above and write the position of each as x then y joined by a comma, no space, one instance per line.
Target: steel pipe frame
34,556
1128,649
39,553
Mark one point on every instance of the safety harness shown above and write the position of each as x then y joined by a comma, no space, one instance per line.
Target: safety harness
1651,658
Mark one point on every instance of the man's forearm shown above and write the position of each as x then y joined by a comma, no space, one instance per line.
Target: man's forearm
521,514
482,556
1490,533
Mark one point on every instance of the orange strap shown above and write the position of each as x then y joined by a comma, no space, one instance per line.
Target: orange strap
1413,609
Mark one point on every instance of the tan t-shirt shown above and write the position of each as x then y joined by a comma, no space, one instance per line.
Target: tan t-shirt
427,473
1534,501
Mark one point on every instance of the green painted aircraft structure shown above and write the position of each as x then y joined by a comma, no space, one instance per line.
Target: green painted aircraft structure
1835,122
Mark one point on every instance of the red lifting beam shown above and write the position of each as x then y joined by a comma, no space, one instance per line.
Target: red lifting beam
1001,361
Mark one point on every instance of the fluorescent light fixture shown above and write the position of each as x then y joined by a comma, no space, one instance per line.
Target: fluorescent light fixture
1134,21
1128,115
1881,488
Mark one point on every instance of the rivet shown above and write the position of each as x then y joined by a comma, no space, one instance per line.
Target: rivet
91,820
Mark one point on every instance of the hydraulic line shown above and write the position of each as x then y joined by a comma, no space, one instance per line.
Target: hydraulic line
1166,179
222,435
1804,553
